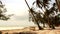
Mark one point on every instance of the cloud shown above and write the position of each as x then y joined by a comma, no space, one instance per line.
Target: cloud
21,17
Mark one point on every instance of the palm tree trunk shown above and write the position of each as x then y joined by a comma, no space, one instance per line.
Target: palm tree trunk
40,28
43,24
58,4
51,25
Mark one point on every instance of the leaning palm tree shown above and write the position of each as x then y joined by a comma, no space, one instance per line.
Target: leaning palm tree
47,17
58,4
49,14
33,17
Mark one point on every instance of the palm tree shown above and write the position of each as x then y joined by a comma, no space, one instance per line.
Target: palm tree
33,17
58,4
57,20
2,11
49,17
47,12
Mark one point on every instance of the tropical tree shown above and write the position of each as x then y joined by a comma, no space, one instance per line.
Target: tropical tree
3,16
44,3
58,4
31,12
49,15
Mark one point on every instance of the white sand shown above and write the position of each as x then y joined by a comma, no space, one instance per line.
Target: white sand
10,28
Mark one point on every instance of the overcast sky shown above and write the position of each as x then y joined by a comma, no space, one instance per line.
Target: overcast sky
20,11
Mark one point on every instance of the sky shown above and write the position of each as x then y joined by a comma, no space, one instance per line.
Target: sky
20,11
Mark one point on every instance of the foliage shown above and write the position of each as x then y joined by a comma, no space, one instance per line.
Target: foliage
50,15
2,12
